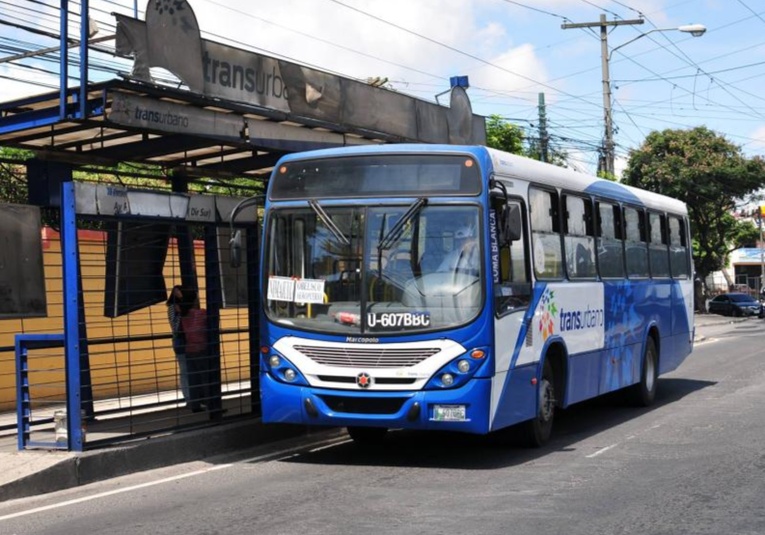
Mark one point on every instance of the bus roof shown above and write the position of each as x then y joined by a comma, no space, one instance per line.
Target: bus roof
510,165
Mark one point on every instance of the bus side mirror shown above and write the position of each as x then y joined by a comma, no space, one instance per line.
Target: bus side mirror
513,228
236,249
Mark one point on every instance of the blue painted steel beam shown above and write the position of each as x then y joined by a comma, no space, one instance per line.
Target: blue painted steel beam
64,59
45,116
23,343
71,272
253,310
84,30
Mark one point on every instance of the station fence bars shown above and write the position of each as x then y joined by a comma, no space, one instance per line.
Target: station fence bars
130,383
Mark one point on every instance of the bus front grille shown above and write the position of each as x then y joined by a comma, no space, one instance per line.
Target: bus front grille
377,380
372,357
364,405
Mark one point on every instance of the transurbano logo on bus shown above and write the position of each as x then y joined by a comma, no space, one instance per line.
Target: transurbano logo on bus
574,312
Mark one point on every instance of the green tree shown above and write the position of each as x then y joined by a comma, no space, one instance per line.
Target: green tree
607,176
710,174
555,155
504,135
13,180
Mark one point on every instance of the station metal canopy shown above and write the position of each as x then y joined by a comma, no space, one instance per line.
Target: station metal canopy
219,138
233,113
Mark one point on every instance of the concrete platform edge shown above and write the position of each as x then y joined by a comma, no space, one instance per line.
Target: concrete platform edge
96,465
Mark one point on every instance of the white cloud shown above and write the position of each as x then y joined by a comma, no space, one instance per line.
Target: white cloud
515,70
757,145
423,42
18,82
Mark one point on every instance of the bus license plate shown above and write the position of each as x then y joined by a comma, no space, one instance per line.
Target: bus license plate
449,413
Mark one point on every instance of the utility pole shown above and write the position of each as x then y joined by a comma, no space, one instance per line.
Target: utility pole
543,138
608,142
760,213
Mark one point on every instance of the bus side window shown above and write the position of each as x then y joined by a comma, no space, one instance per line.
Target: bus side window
513,289
610,244
635,242
678,248
658,250
545,234
579,238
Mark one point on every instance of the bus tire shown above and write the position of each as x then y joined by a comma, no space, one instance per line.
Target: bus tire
643,393
538,429
367,436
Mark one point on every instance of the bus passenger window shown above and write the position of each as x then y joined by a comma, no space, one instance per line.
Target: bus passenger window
657,250
636,249
579,239
678,248
545,234
610,244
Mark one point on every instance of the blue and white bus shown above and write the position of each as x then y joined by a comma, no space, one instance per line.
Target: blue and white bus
463,288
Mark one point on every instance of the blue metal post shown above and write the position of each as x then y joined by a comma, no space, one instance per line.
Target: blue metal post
71,272
253,309
22,395
64,60
84,36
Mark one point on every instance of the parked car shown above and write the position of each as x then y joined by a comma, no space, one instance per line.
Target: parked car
735,304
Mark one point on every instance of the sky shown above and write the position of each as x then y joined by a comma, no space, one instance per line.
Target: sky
511,51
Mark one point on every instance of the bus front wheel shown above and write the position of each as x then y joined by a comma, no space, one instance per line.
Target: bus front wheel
539,429
367,436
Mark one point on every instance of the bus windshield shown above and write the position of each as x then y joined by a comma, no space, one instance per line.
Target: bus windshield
376,270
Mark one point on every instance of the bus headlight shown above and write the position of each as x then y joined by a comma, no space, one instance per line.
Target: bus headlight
281,369
459,371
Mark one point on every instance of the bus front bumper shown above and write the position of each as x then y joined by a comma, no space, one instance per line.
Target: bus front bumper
464,409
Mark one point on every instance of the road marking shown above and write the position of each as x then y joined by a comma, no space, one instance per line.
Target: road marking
111,492
286,453
601,450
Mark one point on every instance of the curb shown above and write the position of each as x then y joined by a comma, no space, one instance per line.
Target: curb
97,465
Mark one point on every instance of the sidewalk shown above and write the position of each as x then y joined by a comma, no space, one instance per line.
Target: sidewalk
37,471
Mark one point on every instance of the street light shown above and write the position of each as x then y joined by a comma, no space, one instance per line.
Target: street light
696,30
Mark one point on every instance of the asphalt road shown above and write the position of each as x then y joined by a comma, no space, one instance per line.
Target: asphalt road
692,464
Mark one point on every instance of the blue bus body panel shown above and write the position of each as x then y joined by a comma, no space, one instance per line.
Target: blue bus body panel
632,308
583,380
518,402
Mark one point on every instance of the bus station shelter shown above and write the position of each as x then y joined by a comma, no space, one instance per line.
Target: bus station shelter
132,183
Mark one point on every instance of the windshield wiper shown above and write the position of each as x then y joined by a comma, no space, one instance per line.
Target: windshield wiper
395,233
328,222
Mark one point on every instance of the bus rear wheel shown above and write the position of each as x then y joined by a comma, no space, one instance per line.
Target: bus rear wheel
367,436
643,394
538,430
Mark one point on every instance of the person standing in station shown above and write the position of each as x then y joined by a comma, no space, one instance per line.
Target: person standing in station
179,341
194,325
